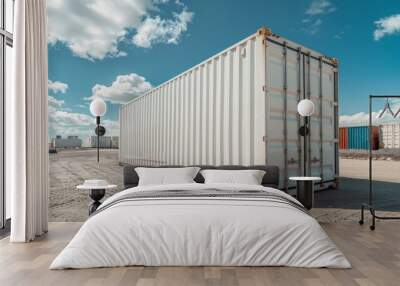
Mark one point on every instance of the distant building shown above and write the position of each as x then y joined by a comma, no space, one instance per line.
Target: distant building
69,142
111,142
115,142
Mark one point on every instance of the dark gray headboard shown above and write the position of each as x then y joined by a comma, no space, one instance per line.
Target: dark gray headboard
271,177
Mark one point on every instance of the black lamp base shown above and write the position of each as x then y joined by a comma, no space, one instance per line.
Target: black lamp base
304,131
96,195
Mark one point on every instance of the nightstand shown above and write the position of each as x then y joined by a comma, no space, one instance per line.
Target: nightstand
305,190
97,190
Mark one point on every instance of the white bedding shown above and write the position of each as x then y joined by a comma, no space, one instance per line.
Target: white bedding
200,231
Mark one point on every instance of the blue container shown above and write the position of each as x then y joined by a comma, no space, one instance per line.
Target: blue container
359,137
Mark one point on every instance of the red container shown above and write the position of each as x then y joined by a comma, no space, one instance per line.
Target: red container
343,138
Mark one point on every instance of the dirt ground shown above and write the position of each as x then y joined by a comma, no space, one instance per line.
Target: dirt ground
70,168
382,170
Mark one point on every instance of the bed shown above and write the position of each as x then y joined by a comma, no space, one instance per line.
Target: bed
201,224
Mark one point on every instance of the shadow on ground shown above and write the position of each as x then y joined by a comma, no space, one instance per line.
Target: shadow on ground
353,192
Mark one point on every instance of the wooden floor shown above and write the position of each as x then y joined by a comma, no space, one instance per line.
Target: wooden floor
375,257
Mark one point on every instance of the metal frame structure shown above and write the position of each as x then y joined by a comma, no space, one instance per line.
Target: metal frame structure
298,117
369,205
336,122
321,135
285,123
6,39
99,131
307,148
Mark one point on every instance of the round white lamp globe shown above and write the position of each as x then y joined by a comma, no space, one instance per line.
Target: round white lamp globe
305,107
98,107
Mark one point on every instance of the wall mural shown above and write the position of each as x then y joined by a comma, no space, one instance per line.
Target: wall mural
116,51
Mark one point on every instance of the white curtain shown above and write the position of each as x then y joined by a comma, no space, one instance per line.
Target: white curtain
27,142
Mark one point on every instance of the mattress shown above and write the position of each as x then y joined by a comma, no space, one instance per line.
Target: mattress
201,225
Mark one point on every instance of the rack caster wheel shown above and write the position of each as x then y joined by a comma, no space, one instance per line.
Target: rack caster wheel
372,227
361,222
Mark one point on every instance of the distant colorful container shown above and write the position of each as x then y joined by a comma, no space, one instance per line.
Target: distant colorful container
358,137
343,138
390,136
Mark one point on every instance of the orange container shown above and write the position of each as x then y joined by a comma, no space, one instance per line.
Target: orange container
343,138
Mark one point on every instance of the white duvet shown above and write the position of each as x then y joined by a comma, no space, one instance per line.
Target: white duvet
193,231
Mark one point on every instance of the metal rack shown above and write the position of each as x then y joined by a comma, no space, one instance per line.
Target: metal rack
369,205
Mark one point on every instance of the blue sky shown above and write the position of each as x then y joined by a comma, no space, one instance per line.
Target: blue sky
118,50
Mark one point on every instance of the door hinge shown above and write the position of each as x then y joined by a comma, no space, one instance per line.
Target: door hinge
265,139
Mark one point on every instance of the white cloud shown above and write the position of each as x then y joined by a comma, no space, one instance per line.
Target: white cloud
122,90
54,102
62,121
112,127
387,26
318,7
314,26
57,86
66,123
93,29
156,30
362,118
65,118
314,13
339,35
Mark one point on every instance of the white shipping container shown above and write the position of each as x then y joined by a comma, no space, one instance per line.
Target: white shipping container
240,108
390,135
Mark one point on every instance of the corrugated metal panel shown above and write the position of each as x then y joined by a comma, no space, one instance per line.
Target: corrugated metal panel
233,108
358,137
204,116
343,138
390,135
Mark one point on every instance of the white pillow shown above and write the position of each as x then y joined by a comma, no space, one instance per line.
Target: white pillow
248,177
165,176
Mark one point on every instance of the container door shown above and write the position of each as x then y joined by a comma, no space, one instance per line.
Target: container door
292,76
390,136
320,87
284,85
